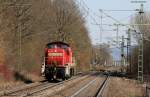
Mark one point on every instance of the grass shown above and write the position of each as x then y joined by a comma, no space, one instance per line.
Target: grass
4,85
19,79
119,87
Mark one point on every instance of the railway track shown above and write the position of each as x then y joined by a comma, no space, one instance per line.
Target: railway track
30,90
81,84
81,92
52,92
99,93
25,88
43,88
83,88
92,86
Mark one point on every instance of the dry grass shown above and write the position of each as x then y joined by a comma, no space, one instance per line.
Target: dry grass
4,85
23,78
119,87
35,77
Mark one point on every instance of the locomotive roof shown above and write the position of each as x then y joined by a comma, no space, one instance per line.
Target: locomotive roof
58,42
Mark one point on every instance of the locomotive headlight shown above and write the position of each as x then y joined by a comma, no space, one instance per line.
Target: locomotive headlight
55,54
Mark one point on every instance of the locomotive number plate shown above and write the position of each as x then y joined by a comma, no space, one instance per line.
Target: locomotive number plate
55,54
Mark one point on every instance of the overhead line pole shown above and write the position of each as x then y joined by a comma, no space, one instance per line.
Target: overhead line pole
122,53
140,56
129,49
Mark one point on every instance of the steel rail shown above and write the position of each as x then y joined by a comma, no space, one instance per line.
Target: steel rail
34,90
45,88
86,86
12,91
31,87
31,93
102,87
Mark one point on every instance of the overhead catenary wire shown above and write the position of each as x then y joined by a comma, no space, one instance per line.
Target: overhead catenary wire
122,10
120,23
109,16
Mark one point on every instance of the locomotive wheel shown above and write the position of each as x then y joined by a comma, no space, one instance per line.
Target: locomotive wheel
63,75
63,78
48,77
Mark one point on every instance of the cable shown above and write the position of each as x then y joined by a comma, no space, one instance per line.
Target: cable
120,10
132,28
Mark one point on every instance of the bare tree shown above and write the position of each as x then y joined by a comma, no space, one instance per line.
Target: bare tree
26,26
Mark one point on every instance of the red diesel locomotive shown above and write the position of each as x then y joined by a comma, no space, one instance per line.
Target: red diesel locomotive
58,61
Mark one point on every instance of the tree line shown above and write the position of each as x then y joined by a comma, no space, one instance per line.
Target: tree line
26,26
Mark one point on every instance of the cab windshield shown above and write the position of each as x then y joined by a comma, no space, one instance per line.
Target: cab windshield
57,46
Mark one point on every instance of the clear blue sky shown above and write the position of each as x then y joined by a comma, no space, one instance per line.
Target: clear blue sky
93,7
